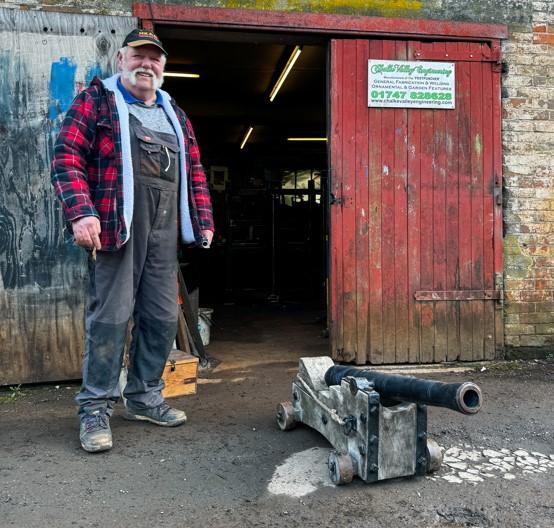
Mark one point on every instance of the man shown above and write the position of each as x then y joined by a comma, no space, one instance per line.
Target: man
127,170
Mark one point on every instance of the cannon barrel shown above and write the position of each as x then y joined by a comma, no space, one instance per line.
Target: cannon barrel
462,397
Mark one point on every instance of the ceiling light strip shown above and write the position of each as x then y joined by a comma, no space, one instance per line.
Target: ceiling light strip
246,136
284,74
307,139
182,75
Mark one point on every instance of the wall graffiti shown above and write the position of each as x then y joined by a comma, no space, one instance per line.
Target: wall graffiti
31,239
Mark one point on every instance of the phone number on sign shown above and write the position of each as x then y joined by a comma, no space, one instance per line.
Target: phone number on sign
398,94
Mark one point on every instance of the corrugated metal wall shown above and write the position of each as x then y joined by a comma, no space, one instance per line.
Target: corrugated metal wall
45,59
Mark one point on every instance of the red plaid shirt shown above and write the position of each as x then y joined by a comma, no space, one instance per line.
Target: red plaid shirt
87,172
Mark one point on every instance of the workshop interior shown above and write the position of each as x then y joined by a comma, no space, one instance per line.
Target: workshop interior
258,105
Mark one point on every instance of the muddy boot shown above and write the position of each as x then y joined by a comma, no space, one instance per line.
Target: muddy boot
163,415
95,433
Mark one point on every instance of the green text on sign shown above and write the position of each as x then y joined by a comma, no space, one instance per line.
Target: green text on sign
411,84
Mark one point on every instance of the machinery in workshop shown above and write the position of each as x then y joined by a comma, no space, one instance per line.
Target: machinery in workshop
377,423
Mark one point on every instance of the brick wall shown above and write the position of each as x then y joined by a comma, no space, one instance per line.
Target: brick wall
528,137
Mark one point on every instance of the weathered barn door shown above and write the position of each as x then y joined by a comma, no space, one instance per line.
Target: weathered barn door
416,270
45,59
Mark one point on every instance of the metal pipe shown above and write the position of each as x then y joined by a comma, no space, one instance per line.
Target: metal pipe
463,397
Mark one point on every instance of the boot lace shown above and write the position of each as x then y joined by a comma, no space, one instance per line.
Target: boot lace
96,422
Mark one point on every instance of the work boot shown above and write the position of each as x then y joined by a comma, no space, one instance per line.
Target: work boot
95,433
163,415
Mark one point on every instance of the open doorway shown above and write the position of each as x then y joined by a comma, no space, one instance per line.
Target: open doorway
265,156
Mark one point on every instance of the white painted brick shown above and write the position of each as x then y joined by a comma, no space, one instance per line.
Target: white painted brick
544,126
532,92
517,125
543,60
522,37
522,112
518,80
526,69
547,193
521,59
516,48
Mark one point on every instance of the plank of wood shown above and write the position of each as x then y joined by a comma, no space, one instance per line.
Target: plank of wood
463,85
439,224
427,234
362,204
488,208
413,225
194,338
43,280
452,224
348,206
477,254
497,169
182,335
388,217
376,344
400,175
335,184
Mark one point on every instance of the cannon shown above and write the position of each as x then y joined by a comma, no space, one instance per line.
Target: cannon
376,422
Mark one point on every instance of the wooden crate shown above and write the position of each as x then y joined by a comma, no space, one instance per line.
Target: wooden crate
180,374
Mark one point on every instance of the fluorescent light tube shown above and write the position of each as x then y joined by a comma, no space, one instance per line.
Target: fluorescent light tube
246,136
182,75
288,67
307,139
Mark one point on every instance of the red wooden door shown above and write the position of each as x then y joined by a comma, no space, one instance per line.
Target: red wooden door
416,260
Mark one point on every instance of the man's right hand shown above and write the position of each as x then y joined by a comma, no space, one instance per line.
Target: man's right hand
86,231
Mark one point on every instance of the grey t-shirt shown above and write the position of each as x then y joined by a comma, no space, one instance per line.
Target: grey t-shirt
152,117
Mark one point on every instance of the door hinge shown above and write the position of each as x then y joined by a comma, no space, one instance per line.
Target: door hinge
499,287
497,190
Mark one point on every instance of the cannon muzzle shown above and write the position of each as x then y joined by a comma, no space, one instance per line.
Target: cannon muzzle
462,397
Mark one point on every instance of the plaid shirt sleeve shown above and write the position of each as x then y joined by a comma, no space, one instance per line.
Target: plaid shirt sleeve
68,170
199,184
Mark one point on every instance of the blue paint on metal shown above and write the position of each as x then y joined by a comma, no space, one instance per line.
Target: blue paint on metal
6,91
62,86
92,71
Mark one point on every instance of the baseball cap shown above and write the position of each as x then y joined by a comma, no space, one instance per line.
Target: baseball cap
142,37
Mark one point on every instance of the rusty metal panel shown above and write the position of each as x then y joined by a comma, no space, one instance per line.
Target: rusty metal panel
422,231
45,59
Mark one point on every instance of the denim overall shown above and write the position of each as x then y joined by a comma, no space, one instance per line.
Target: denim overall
139,280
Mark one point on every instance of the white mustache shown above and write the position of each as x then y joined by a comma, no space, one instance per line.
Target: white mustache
132,76
144,70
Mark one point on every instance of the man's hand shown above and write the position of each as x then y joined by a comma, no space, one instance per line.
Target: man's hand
86,231
207,236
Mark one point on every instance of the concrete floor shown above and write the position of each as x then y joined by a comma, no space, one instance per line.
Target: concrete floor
231,466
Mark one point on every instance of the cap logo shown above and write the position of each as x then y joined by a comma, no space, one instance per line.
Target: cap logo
142,37
149,34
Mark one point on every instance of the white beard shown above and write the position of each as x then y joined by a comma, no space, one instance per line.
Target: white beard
131,76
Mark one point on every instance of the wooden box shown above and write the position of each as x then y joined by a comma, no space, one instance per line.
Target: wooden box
180,374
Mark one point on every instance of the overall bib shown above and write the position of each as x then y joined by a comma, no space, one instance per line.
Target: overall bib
138,280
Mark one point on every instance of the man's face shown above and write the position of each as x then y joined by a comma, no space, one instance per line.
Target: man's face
143,67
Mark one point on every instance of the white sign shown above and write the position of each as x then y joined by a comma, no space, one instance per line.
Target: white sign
411,84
